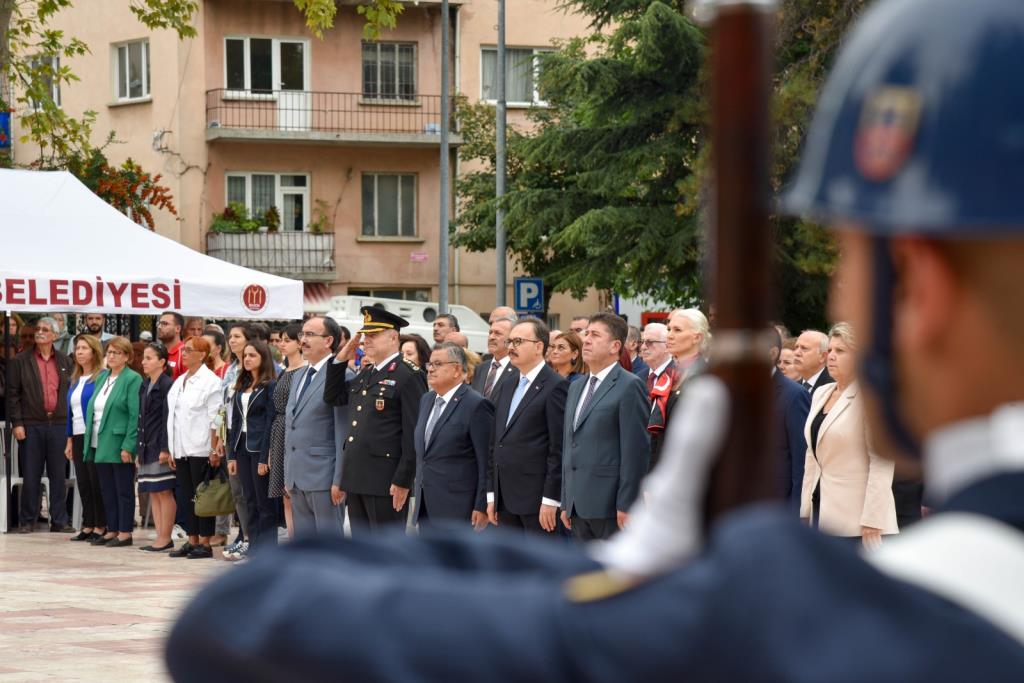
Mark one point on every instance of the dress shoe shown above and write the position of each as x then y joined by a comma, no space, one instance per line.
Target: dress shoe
101,541
158,549
183,551
66,529
81,536
119,542
26,529
200,552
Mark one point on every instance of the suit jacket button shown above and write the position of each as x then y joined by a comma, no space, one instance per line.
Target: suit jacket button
358,408
364,392
351,438
354,423
501,445
573,468
293,448
387,455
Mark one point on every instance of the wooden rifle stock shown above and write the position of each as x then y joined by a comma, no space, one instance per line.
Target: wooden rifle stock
742,285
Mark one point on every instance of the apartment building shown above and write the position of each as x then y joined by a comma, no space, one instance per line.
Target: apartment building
340,135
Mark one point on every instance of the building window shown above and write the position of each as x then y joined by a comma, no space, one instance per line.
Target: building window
522,68
389,205
288,192
256,64
48,69
389,71
131,70
402,294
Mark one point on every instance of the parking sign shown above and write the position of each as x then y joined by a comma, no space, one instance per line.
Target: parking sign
529,293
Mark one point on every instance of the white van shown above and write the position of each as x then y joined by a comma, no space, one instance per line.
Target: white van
420,314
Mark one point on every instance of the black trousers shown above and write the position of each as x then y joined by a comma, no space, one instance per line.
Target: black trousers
94,516
584,529
190,473
528,523
43,447
368,513
262,511
117,482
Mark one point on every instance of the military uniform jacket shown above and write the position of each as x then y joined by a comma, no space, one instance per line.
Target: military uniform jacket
383,405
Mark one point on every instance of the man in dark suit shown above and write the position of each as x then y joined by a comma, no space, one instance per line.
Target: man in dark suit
605,448
495,368
809,357
792,404
452,439
525,483
379,463
39,379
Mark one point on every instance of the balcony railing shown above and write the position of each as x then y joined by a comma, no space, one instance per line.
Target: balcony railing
302,255
298,112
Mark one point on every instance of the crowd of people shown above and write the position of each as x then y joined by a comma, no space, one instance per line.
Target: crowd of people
550,431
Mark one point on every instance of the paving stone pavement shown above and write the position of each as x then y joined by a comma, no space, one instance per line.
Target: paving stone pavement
74,612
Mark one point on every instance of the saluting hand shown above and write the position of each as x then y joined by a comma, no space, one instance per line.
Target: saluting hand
399,494
348,351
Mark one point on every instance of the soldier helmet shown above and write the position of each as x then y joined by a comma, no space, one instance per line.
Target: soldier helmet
920,128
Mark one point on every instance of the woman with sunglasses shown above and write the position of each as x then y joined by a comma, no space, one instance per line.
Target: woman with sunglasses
193,405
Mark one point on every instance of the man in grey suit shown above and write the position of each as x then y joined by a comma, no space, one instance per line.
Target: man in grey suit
314,435
605,447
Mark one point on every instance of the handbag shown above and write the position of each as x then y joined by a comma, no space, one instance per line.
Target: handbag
213,495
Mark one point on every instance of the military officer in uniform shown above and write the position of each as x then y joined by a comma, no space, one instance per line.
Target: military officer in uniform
916,158
379,462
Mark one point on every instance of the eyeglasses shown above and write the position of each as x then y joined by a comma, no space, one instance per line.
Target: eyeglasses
437,366
651,342
518,341
309,335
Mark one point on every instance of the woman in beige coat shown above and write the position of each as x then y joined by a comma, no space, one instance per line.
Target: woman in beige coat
847,489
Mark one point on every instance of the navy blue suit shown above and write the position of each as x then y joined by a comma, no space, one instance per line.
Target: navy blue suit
792,404
640,368
451,471
768,600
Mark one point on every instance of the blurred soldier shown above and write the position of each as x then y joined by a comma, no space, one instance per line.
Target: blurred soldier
916,158
379,462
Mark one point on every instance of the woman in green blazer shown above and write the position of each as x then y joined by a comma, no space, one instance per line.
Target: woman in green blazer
111,436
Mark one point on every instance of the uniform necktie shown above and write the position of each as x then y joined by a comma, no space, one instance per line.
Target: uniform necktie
489,384
432,420
586,401
305,384
517,397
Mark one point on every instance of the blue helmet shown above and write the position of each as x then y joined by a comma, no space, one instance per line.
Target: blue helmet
920,128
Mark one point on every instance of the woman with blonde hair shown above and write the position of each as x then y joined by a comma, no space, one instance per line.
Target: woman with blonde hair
193,404
88,357
847,488
111,440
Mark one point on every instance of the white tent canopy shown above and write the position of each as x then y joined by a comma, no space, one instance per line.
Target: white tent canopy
62,248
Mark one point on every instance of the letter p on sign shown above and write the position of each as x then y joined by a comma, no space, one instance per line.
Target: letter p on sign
529,295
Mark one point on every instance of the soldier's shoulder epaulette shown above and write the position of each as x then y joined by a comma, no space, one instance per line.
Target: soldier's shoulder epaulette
412,366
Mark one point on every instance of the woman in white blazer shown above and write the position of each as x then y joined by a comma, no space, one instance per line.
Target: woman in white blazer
193,404
847,489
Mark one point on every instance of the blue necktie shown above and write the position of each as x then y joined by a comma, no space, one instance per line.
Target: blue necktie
517,397
435,414
305,384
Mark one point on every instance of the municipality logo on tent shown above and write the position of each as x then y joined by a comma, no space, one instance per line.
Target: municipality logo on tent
254,298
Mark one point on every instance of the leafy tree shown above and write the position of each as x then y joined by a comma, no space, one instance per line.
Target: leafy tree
606,189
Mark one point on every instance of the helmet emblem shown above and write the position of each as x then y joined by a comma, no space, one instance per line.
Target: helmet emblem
885,136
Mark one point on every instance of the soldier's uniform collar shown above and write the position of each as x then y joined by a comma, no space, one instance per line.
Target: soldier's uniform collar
971,450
